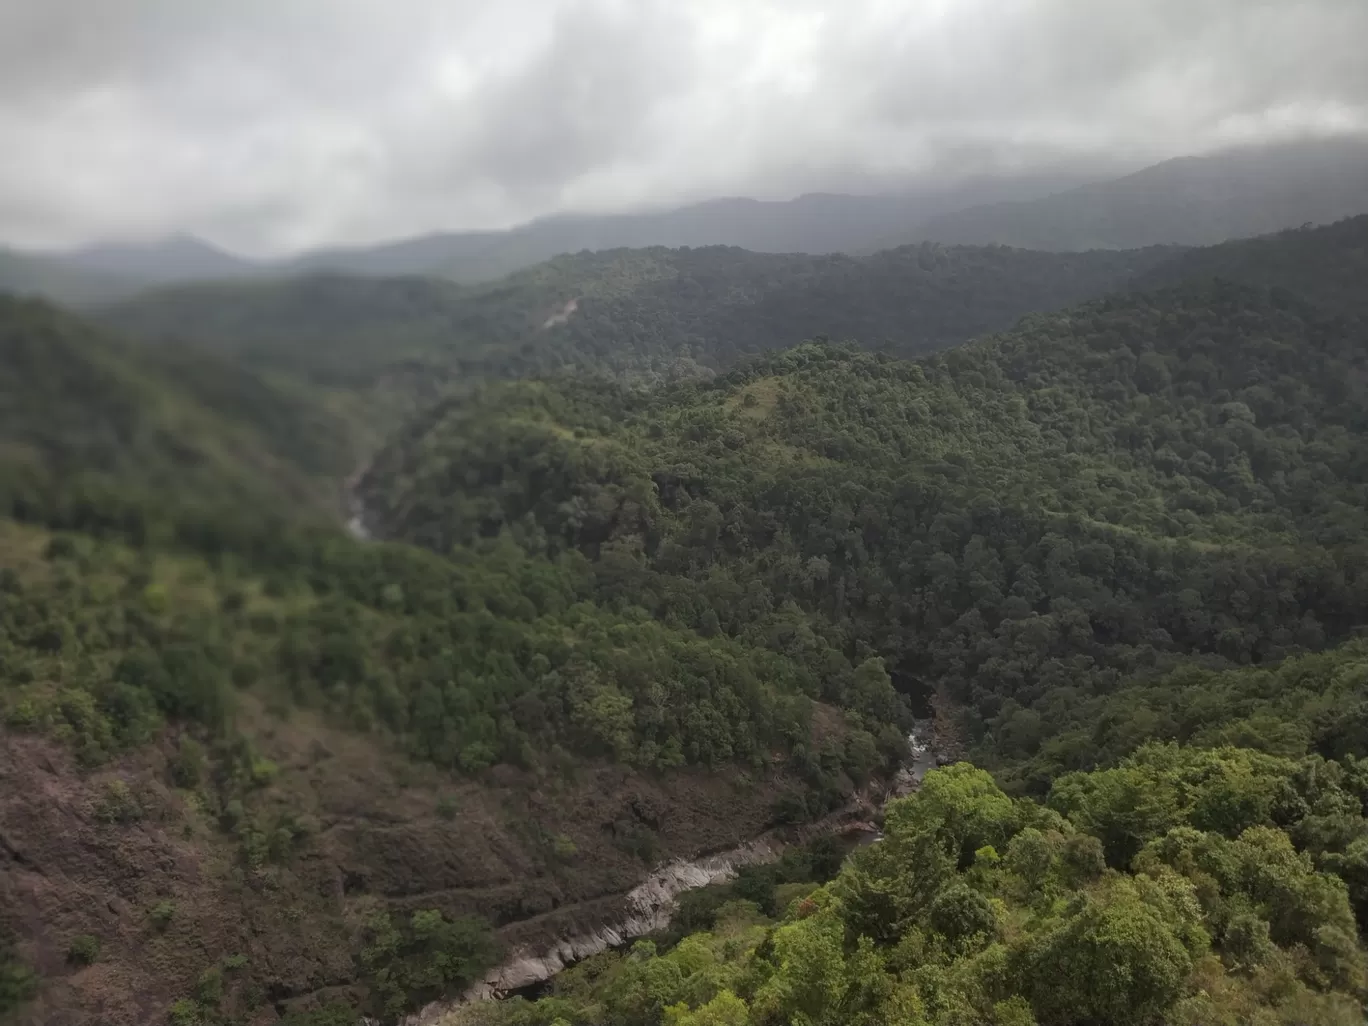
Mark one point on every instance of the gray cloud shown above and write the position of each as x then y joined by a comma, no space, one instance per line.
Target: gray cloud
274,124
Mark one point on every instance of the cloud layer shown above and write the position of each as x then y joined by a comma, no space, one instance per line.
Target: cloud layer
275,124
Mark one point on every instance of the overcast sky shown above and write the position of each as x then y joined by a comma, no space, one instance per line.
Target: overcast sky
269,125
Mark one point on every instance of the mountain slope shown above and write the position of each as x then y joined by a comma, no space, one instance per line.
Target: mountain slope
93,429
652,312
1188,201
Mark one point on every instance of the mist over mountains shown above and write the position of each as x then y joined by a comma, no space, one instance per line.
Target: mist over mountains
1186,201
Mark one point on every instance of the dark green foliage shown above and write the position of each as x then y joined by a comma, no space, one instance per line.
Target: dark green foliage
425,958
209,987
17,982
334,1014
1306,704
1121,524
492,658
162,913
188,765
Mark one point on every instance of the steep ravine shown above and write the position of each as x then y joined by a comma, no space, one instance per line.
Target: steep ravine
355,506
649,906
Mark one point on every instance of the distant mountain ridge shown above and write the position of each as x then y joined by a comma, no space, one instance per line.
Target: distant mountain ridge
176,258
811,223
1189,201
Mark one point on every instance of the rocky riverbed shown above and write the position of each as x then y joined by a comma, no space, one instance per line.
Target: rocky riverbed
649,906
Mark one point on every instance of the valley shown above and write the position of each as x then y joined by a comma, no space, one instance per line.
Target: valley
655,560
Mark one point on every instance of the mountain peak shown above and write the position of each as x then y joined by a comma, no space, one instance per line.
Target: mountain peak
176,257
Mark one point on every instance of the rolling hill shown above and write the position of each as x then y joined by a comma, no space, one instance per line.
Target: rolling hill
648,313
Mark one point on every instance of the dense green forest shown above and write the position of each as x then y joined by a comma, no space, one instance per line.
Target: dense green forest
1119,551
652,313
1100,492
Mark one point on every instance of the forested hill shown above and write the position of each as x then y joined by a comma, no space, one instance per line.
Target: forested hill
97,432
1025,518
649,313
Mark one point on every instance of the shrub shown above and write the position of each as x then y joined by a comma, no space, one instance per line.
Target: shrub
188,764
209,987
117,804
162,913
83,950
17,981
185,1012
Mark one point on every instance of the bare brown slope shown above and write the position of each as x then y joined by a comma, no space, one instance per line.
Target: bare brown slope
383,834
